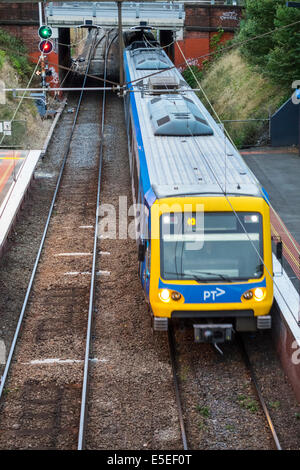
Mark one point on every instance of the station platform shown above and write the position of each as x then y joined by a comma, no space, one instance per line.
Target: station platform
16,173
278,170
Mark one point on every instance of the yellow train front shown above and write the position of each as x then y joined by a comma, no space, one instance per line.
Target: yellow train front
206,268
203,228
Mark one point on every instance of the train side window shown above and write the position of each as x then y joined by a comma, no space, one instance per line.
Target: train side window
135,178
130,134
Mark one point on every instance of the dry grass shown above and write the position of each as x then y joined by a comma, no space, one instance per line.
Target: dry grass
237,91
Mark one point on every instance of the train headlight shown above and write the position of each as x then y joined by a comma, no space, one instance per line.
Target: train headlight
259,294
248,295
175,295
164,295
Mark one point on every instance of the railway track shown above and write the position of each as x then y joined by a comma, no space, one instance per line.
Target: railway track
184,408
84,396
44,383
258,392
172,349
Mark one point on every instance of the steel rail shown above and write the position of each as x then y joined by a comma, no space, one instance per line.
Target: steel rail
172,350
85,387
30,284
258,391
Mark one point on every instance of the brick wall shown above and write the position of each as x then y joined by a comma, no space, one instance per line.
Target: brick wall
19,13
22,21
28,34
212,17
201,23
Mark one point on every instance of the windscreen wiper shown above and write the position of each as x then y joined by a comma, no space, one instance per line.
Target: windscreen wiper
200,279
221,276
189,276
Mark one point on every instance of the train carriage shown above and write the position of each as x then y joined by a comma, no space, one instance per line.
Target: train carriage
203,232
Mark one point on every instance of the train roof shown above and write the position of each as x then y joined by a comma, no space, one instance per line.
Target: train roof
185,149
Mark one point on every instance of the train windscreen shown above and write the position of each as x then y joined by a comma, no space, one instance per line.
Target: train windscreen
211,246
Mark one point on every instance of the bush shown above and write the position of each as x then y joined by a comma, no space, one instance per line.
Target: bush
190,73
283,61
14,50
277,55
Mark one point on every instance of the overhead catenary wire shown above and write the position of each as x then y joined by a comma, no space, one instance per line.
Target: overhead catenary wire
224,192
242,225
63,67
231,140
224,49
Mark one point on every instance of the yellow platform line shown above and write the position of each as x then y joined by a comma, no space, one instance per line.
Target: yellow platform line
4,175
296,261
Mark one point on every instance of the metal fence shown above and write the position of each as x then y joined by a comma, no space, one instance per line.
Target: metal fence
248,132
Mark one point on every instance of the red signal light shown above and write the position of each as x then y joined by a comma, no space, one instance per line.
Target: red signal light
46,46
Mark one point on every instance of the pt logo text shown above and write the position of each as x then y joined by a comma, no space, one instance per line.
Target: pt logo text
212,294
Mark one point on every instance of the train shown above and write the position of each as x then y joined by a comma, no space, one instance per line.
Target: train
204,246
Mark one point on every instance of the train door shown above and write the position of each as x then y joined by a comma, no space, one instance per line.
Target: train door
145,247
147,268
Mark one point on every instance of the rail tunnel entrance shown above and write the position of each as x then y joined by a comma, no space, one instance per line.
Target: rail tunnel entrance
166,39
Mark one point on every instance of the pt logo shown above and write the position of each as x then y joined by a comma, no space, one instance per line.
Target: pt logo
212,294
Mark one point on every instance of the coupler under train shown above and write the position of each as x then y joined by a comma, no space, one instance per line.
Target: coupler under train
217,332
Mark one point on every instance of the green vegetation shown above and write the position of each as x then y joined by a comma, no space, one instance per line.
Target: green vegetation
192,74
248,403
184,372
238,92
252,80
276,55
275,405
15,71
13,50
204,411
230,427
202,426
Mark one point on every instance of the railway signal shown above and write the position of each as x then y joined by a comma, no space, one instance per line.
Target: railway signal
45,32
45,45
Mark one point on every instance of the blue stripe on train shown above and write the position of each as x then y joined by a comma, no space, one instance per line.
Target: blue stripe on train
211,293
144,175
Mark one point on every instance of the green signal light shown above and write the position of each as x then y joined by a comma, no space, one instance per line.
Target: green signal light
45,32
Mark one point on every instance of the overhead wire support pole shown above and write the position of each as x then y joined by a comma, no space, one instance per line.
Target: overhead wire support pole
40,14
120,31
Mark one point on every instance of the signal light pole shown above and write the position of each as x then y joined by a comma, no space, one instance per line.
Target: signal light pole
45,47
